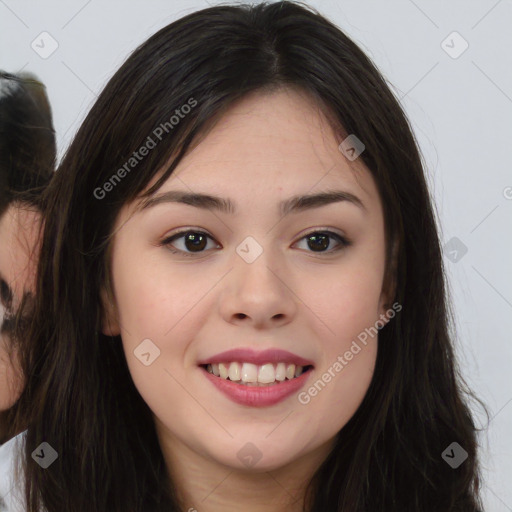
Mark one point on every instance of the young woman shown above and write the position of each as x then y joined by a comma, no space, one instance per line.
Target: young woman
241,301
27,158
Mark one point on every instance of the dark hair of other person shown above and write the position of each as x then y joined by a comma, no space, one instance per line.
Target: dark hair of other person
27,162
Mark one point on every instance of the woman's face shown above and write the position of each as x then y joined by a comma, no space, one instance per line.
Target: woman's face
18,232
258,280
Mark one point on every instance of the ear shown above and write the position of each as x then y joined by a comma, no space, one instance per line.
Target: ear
109,320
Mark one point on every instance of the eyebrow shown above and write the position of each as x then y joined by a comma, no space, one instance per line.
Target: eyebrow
294,204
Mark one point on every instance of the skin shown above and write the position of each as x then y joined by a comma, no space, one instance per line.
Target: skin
293,296
18,235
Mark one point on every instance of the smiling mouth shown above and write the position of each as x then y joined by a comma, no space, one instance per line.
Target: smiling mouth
249,374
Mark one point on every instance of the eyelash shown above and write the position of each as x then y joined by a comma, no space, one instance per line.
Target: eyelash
344,242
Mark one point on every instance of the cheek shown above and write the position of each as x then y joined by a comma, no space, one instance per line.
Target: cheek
349,352
11,384
143,295
346,301
154,303
342,385
346,309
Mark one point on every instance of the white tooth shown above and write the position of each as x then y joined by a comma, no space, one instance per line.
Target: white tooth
234,371
280,371
209,368
249,372
266,374
223,370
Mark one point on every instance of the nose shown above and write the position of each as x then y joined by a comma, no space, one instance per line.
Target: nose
259,293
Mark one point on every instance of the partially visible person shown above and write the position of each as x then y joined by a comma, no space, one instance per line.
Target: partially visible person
27,160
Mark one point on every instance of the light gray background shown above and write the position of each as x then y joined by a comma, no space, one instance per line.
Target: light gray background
460,109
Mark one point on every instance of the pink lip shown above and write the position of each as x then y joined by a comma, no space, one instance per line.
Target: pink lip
255,396
242,355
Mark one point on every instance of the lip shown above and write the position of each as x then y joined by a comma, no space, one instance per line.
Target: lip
245,355
255,396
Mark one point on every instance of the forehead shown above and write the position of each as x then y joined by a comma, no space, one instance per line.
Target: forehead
273,134
278,144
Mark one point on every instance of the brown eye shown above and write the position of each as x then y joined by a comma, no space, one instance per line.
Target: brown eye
194,242
321,242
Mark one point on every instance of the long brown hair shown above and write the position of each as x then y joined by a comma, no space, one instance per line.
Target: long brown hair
80,397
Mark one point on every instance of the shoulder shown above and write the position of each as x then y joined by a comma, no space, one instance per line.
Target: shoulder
10,486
